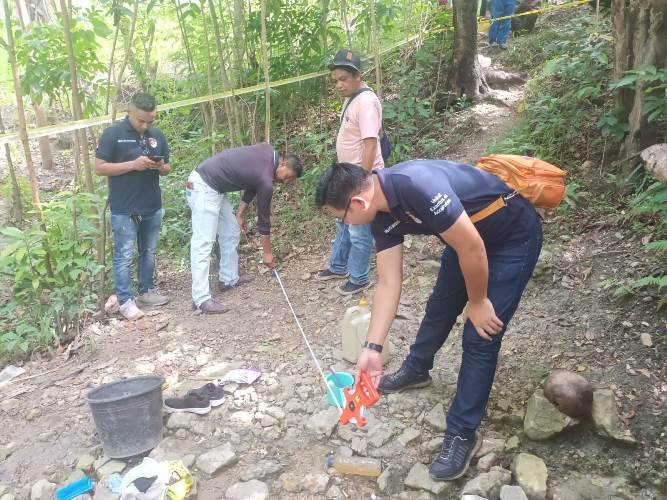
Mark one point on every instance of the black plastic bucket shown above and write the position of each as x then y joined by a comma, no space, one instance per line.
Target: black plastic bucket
128,415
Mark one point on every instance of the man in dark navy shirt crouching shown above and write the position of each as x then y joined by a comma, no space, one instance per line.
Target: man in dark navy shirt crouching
493,237
133,155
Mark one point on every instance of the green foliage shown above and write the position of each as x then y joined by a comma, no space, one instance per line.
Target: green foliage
653,82
51,268
41,55
6,192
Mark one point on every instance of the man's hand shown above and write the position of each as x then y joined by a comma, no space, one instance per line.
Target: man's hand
268,260
142,163
241,222
483,318
370,362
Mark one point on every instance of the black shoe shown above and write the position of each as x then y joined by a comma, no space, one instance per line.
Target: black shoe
454,457
192,402
325,275
215,393
403,379
349,288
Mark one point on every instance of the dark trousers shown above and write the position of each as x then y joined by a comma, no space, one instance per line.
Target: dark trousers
511,265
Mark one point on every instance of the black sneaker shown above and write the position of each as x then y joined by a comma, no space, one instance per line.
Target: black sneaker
215,393
349,288
403,379
325,275
454,457
192,402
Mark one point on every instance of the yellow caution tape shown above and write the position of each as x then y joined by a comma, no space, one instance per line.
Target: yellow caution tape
101,120
568,5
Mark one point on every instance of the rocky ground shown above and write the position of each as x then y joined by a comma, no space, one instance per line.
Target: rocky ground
273,439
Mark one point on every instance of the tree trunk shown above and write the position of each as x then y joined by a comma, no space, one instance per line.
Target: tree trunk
376,51
184,36
16,209
209,76
640,34
228,104
27,15
346,23
23,133
267,90
126,57
465,74
76,98
110,73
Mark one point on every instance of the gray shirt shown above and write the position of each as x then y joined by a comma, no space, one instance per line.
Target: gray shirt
249,169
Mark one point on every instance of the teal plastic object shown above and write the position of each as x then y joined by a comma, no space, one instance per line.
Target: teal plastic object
73,490
336,384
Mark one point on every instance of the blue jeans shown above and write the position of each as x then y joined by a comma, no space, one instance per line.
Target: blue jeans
499,32
351,252
128,230
511,265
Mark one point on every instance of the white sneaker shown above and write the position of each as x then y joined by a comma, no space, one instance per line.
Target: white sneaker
130,311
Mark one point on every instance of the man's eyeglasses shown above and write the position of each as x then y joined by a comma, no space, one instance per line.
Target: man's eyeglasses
346,209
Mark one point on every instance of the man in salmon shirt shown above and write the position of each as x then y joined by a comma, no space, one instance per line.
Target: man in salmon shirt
358,142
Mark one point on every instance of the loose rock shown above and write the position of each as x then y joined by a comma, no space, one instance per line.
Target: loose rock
436,418
315,483
408,435
251,490
530,472
260,470
512,493
512,443
390,481
606,419
646,340
85,462
490,445
418,478
324,422
217,458
543,420
485,463
488,484
181,421
109,468
42,490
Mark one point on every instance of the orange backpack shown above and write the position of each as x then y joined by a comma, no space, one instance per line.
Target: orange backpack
540,182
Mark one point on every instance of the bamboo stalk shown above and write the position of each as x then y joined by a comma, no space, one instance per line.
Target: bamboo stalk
126,57
376,51
267,90
11,55
17,203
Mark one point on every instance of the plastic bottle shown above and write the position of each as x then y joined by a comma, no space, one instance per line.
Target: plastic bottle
354,328
360,466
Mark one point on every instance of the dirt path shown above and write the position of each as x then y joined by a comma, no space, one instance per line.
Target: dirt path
565,320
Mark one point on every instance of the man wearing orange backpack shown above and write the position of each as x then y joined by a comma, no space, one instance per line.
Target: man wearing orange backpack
493,238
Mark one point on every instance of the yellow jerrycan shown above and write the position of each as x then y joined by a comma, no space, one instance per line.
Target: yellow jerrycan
353,329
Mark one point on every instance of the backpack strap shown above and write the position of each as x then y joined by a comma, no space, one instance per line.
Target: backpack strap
351,98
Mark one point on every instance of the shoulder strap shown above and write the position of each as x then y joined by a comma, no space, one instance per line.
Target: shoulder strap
360,91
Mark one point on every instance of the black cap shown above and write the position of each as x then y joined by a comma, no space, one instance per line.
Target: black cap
346,58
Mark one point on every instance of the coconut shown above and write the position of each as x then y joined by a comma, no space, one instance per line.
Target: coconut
571,393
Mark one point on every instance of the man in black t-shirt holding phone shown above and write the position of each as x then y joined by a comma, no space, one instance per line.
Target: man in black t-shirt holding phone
133,155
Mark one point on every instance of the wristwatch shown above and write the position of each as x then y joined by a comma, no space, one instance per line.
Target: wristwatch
373,347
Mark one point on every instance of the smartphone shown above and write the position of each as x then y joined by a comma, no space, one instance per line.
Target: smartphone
157,158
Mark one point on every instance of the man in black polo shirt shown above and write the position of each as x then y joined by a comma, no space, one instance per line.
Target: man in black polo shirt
133,155
493,237
252,169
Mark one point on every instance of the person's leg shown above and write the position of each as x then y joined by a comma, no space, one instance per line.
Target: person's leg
204,204
510,269
124,238
359,258
506,24
341,249
148,236
443,307
496,11
229,234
